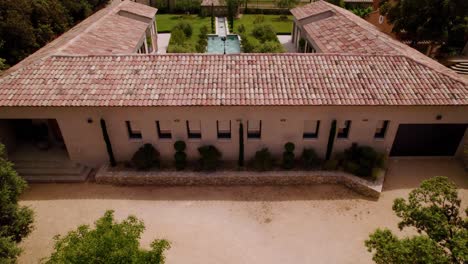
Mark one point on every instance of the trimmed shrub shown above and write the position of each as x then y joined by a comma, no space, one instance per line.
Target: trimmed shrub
210,158
241,29
263,160
185,27
264,33
362,160
145,158
288,156
178,36
310,159
330,165
180,156
180,145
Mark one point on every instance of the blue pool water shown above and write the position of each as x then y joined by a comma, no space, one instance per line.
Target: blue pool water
216,45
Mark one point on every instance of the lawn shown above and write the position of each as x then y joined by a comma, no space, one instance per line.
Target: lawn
166,22
280,26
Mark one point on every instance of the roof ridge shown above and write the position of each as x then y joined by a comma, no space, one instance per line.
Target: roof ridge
92,26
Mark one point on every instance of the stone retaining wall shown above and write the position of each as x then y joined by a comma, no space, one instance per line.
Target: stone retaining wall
232,178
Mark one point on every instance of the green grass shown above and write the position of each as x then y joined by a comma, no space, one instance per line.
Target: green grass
280,26
166,22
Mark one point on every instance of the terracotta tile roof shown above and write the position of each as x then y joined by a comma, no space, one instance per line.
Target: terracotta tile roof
138,9
243,79
344,32
95,30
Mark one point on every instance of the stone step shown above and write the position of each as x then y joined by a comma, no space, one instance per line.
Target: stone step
47,178
463,63
50,171
459,70
44,164
459,65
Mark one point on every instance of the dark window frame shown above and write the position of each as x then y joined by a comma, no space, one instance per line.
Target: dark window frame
254,135
162,135
314,135
345,133
223,135
383,132
192,135
131,133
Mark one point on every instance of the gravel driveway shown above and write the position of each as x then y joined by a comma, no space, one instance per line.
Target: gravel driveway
311,224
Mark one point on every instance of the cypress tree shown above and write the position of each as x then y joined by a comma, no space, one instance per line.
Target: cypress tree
331,140
105,135
241,145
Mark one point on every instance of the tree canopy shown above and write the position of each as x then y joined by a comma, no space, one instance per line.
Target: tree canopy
433,210
27,25
108,242
15,221
435,20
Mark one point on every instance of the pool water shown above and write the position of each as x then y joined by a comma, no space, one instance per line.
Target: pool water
216,45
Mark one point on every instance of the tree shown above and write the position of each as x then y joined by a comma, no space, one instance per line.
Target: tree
433,20
433,210
108,242
288,4
232,8
15,221
339,3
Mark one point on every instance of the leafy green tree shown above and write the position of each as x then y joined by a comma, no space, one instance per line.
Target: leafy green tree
15,221
433,20
339,3
232,8
289,4
108,242
433,210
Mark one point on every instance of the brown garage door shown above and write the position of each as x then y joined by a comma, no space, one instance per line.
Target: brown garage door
427,139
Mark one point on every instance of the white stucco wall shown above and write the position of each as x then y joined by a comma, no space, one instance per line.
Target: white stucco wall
85,143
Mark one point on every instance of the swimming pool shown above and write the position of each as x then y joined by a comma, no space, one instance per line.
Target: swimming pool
230,44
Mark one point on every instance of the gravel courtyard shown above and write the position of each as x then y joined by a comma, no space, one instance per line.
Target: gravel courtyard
309,224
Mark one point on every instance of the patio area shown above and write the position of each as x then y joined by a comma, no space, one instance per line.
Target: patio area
311,224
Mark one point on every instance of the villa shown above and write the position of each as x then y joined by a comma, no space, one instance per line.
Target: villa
102,77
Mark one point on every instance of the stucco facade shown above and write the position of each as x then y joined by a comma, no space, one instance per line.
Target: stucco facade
85,144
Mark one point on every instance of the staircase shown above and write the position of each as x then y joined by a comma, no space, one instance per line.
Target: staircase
51,171
460,67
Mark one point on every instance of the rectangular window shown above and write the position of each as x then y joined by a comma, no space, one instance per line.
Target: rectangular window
311,128
194,129
254,129
381,129
133,131
224,129
343,130
164,129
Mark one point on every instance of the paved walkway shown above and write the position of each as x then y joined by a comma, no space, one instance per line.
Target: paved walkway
286,41
312,224
163,42
221,29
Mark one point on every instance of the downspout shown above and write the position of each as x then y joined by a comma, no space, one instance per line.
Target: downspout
105,135
331,140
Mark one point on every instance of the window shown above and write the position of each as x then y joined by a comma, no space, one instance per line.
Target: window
311,128
381,129
164,129
343,130
193,129
224,129
133,131
254,129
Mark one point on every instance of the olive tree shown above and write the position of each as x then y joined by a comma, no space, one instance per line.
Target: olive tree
433,210
108,242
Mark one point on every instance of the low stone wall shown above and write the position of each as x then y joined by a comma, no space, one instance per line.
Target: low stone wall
232,178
